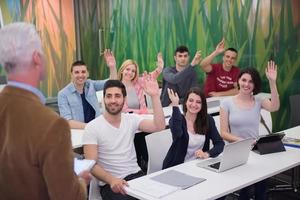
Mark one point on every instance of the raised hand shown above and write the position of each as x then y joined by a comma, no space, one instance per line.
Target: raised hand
159,63
197,58
173,97
220,48
271,71
150,85
109,58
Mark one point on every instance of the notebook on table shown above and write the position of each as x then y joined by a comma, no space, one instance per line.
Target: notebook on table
163,184
234,154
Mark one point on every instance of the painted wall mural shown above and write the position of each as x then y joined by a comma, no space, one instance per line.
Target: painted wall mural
259,29
54,21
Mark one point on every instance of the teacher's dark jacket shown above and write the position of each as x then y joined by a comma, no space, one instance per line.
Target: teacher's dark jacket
178,149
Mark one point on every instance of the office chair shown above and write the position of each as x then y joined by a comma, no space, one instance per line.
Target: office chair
158,145
295,114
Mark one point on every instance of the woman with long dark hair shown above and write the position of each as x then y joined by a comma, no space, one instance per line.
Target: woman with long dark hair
192,130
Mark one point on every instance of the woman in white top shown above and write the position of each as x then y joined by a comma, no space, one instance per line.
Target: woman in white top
240,114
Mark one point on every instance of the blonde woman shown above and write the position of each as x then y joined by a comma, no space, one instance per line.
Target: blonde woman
128,74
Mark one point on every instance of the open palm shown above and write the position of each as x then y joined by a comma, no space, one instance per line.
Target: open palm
109,58
150,85
221,46
271,71
173,97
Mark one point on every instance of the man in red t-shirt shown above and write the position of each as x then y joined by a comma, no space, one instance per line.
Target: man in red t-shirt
221,79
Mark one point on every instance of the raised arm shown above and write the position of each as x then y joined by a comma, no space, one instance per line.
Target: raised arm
206,62
224,126
158,121
116,184
176,119
111,63
159,66
271,73
197,58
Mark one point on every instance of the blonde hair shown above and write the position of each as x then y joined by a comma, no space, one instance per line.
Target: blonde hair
124,65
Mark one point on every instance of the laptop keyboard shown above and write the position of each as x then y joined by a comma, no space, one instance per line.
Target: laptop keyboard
208,162
216,165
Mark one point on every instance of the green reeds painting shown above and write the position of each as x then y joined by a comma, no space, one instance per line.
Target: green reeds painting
261,30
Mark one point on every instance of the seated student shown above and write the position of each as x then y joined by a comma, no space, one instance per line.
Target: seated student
129,75
77,102
109,138
240,114
192,131
181,77
221,79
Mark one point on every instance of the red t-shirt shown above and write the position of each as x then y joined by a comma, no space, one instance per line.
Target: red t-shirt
219,80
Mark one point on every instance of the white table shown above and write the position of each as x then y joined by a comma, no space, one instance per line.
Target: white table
258,167
293,132
76,137
77,133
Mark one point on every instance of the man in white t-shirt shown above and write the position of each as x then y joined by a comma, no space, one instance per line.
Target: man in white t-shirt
108,139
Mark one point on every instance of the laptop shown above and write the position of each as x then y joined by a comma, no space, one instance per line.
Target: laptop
234,154
270,143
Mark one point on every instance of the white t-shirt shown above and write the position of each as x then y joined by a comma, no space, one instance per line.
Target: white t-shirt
116,152
196,142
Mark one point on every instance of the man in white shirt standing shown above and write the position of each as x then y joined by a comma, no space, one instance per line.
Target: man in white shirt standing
109,138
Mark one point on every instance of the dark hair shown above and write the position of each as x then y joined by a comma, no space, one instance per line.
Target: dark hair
114,83
201,123
77,63
255,78
231,49
181,49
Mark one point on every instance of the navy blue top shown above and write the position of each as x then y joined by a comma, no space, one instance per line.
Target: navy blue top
88,110
178,149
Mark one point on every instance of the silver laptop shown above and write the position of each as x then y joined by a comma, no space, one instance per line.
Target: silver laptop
234,154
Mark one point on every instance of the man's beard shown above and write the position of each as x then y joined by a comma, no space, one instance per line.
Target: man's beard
114,111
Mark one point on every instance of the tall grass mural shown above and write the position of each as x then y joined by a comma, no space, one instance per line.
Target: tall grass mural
260,30
93,21
54,21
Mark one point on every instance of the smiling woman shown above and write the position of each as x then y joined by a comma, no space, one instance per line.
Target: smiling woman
240,114
192,131
128,74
